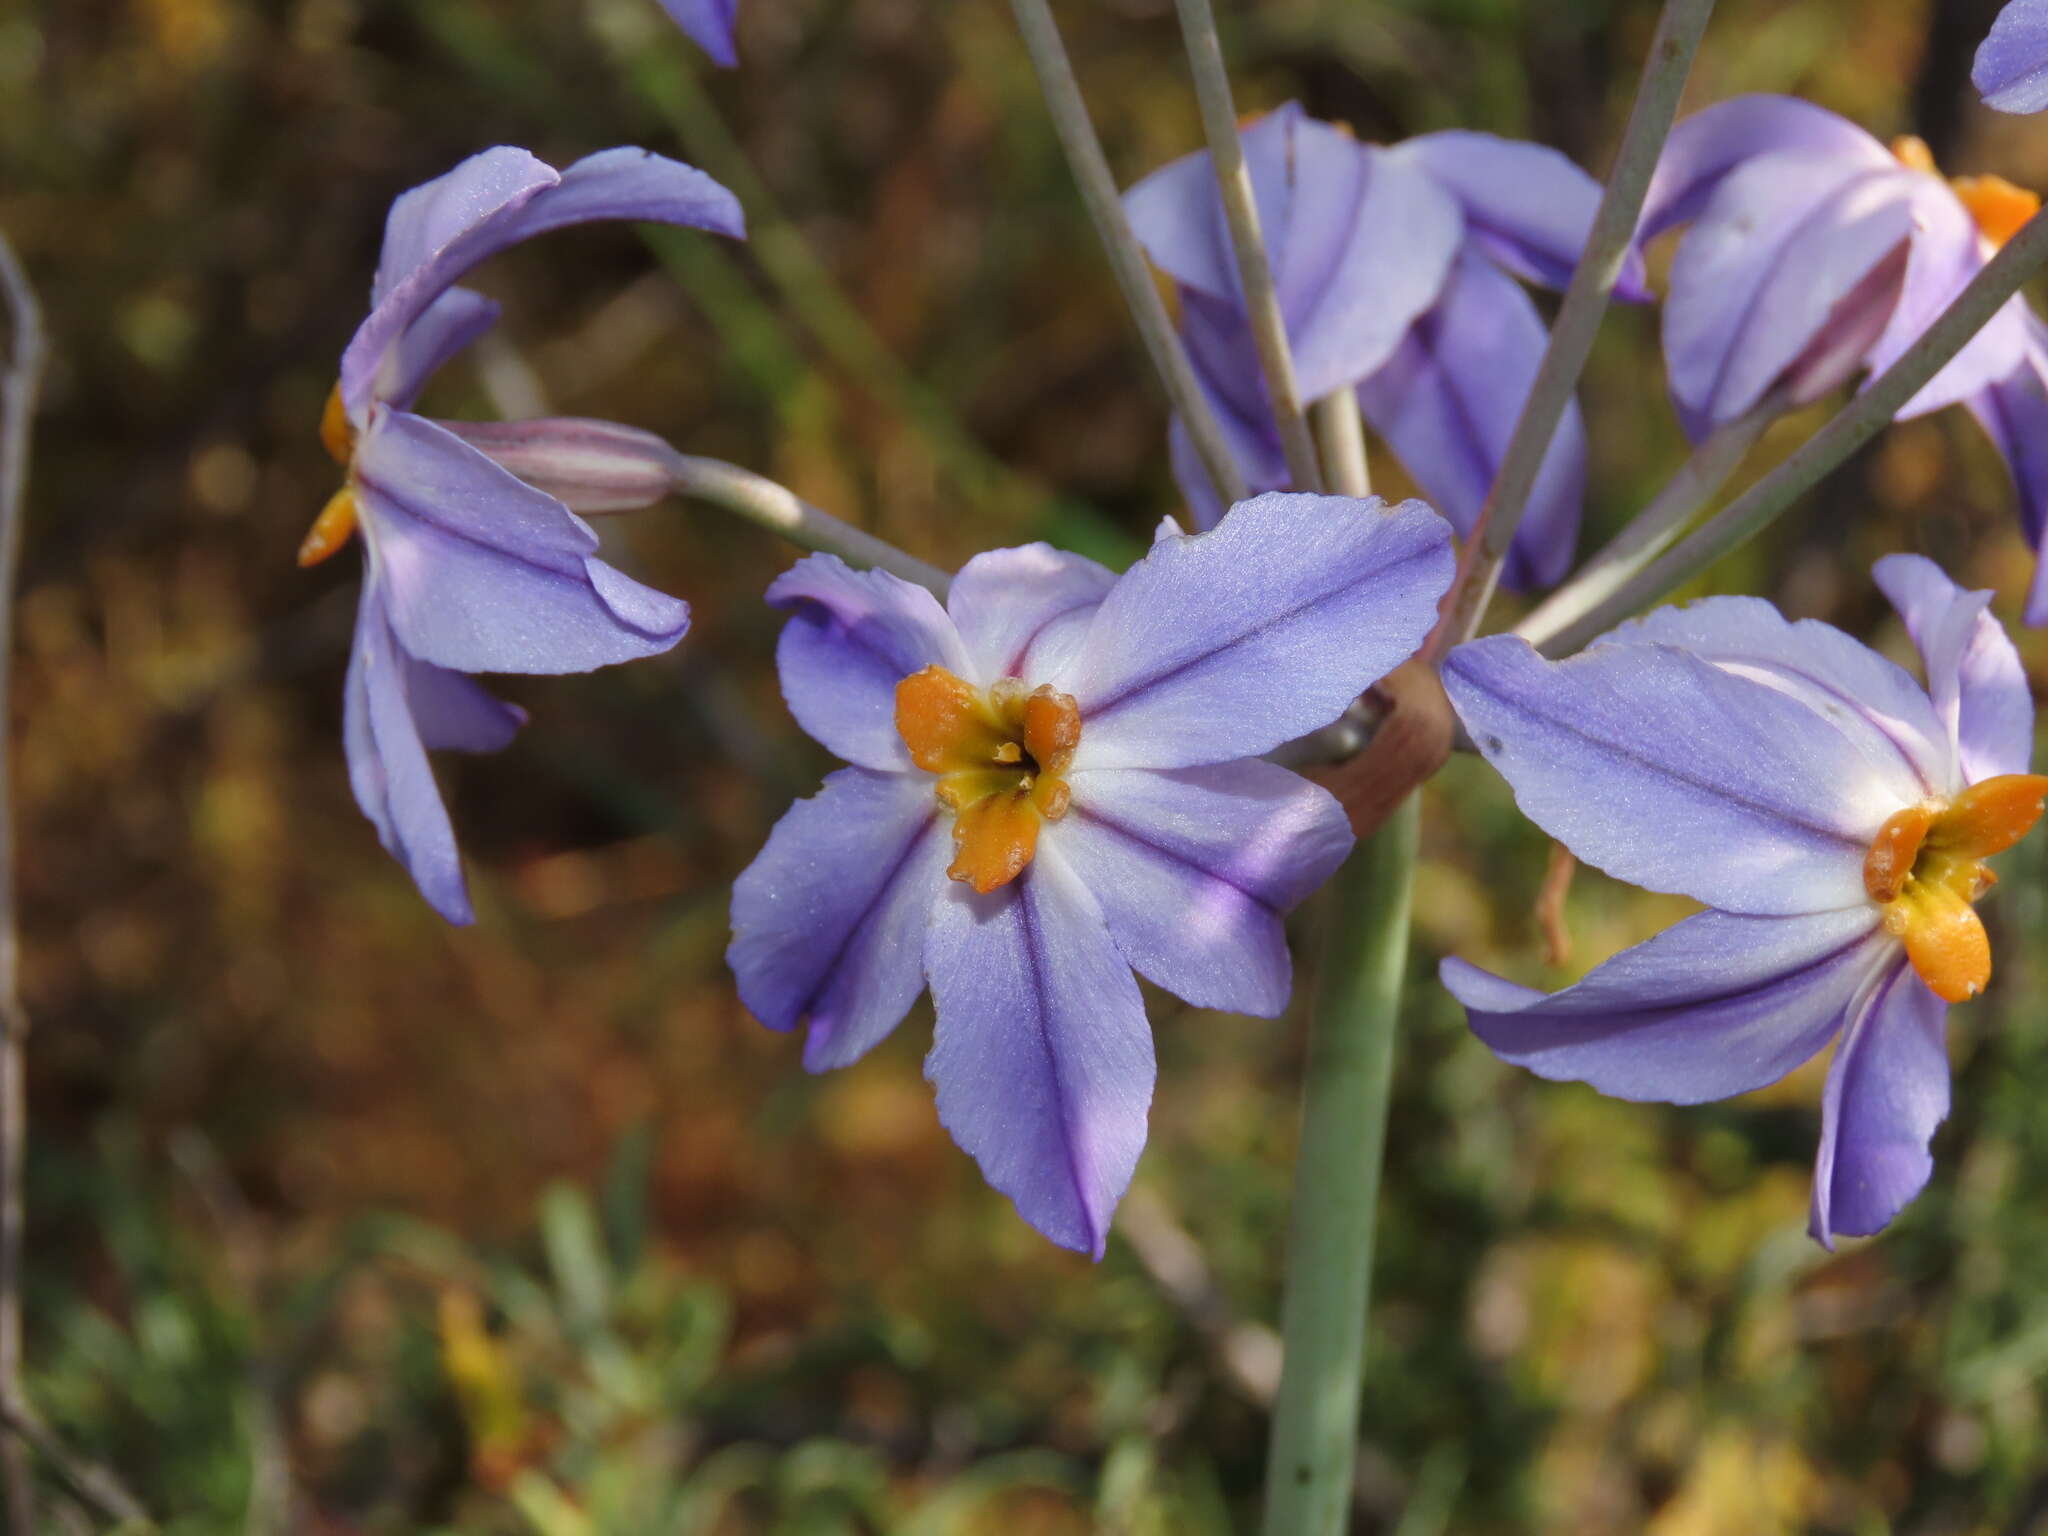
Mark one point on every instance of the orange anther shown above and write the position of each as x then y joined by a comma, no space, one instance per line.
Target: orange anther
1893,850
1911,151
336,434
945,722
1052,729
1999,207
994,839
1946,942
1991,816
331,529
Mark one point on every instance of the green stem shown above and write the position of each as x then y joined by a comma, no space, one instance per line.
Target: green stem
1337,1183
1578,319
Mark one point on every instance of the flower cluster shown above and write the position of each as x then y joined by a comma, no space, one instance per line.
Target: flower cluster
1057,778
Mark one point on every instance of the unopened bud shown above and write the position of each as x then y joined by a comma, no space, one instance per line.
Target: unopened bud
589,466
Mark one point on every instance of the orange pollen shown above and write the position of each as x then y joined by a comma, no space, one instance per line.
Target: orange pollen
337,520
1001,757
1925,869
1998,207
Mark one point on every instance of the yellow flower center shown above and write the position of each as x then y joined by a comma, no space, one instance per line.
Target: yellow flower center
1001,757
337,520
1925,869
1999,207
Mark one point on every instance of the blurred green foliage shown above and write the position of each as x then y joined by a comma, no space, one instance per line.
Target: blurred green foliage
345,1222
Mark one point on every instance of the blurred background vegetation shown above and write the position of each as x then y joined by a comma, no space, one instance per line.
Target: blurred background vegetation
344,1221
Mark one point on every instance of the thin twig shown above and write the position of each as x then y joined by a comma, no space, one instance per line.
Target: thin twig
99,1488
18,391
1091,170
1856,424
1241,217
1653,529
780,510
1585,302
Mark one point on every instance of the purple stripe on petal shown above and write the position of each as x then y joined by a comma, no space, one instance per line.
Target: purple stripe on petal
1973,670
1708,145
1225,644
1886,1092
1196,868
2012,63
709,24
1668,772
829,920
852,637
1714,1006
1448,403
1042,1056
1012,603
1875,702
483,573
388,768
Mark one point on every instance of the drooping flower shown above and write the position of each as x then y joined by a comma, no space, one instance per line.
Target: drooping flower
2012,63
1396,270
469,567
1832,814
709,24
1055,780
1815,253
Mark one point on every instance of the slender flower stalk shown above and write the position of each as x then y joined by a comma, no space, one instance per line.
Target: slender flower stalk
781,511
1652,530
1571,340
1098,190
1349,1075
1241,215
1340,430
1856,424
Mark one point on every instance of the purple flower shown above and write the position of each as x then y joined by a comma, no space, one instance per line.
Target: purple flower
1832,814
1396,271
1814,254
709,23
470,568
1078,752
2012,63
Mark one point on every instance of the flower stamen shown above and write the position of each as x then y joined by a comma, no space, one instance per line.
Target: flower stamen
1925,870
337,520
1001,759
1998,207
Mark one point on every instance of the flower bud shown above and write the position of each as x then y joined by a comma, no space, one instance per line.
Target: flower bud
589,466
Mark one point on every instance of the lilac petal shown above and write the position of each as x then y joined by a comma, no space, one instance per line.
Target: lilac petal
1708,145
588,466
1973,670
483,573
1713,1006
1224,644
1872,701
2012,63
454,713
1448,403
1195,870
495,200
852,637
1668,772
1886,1092
1042,1057
709,25
1946,252
444,328
388,768
1527,205
1021,611
2014,411
1762,276
829,920
1205,507
1325,205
